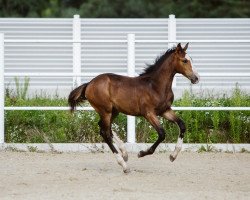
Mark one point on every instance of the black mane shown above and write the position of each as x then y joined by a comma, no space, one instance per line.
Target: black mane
158,62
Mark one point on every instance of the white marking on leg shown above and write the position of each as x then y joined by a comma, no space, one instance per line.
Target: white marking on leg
120,145
122,163
177,149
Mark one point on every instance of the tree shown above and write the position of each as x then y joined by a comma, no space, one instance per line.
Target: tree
20,8
125,9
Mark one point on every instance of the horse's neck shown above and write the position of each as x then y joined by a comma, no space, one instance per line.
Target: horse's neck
164,77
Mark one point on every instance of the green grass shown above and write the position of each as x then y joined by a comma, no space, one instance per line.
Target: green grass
61,126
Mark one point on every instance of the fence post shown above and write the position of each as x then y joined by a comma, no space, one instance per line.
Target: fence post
76,50
131,72
1,88
172,36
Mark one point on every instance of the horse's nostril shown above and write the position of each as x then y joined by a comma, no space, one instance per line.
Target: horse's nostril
194,79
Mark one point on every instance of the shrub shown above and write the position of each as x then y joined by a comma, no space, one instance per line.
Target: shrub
61,126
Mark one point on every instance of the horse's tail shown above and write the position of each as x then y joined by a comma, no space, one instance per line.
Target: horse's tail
77,96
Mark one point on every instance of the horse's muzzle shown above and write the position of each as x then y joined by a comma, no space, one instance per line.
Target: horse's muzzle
194,78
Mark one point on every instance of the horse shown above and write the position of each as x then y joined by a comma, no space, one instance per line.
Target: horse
148,95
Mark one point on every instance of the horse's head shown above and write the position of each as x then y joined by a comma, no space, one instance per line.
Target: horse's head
183,64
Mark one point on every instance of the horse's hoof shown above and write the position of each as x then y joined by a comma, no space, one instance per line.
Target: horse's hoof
140,154
126,171
172,158
125,157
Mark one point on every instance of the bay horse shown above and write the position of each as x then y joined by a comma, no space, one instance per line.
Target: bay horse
149,95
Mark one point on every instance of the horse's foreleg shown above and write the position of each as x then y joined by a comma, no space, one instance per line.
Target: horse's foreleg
121,146
154,121
171,116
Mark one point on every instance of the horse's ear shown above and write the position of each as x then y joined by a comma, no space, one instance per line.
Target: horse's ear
178,48
186,46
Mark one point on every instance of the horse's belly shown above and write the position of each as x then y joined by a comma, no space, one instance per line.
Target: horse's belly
126,106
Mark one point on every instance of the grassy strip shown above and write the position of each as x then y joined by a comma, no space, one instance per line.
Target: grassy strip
61,126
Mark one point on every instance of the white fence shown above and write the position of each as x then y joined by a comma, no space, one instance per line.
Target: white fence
133,47
219,48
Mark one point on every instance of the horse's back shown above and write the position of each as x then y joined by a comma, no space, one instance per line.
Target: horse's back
105,81
112,91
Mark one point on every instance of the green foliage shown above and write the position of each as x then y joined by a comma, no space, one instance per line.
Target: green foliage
217,126
61,126
49,126
207,148
237,118
21,90
125,9
20,8
32,149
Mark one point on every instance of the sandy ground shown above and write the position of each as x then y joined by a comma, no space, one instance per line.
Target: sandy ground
97,176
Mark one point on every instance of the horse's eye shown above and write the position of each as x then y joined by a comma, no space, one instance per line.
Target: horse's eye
185,61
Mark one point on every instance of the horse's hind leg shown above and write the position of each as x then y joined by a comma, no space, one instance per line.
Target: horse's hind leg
120,144
171,116
105,131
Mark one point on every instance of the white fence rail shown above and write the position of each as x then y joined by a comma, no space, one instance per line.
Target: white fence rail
131,66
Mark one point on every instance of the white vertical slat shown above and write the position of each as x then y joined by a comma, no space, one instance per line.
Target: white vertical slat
76,49
171,30
1,88
131,72
172,36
